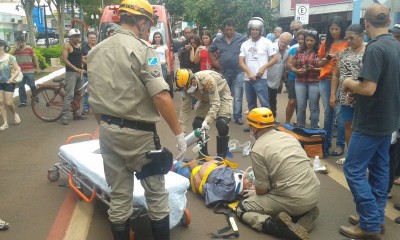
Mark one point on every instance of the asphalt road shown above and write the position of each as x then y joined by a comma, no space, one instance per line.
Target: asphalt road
39,209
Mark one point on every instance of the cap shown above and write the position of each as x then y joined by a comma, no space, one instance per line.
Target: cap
377,13
74,31
395,29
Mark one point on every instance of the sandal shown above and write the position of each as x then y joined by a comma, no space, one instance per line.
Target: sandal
3,127
397,181
338,152
17,119
4,225
340,161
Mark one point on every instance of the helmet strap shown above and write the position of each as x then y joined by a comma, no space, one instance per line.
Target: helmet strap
141,29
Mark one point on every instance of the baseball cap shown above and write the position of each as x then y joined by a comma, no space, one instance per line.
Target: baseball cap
377,13
74,31
395,29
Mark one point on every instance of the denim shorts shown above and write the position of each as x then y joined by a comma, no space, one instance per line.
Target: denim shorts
291,89
7,87
347,113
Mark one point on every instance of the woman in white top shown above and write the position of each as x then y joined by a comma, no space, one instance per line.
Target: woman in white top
162,51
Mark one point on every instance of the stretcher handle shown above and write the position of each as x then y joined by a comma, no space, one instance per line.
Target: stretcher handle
69,140
77,191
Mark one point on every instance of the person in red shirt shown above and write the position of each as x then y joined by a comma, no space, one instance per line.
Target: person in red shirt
201,54
29,64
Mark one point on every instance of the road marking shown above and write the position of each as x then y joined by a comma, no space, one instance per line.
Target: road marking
338,176
80,221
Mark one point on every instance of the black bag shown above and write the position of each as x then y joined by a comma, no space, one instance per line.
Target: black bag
161,163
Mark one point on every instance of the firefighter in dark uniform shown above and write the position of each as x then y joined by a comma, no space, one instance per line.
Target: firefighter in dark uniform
128,96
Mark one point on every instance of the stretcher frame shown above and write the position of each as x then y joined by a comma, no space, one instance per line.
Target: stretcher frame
80,183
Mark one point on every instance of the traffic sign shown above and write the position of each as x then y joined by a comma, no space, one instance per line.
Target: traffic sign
302,13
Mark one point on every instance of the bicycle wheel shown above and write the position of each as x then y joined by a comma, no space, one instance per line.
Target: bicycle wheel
47,103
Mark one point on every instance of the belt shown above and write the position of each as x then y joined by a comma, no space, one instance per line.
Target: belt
124,123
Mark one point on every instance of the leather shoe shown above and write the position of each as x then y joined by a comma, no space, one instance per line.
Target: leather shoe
357,233
397,206
355,219
239,121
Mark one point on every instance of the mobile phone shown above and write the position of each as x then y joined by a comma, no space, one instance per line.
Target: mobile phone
329,57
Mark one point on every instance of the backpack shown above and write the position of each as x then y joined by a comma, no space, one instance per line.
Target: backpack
313,141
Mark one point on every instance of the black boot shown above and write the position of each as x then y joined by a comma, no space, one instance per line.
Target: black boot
121,231
282,226
204,151
160,229
222,146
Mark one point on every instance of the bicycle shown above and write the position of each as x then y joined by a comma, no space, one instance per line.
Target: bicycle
48,100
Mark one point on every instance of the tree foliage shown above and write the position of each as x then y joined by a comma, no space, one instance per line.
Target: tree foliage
211,13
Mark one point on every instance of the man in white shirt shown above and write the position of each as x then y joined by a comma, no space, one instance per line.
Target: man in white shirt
256,56
275,73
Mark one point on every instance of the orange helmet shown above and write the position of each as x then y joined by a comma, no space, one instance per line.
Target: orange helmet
139,7
260,118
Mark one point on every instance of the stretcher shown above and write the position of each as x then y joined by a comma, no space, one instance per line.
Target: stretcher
83,164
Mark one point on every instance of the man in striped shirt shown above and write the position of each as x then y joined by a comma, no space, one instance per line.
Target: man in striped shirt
29,64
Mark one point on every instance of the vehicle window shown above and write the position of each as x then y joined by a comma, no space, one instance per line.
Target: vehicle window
159,27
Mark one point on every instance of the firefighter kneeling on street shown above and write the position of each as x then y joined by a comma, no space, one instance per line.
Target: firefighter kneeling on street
284,202
214,104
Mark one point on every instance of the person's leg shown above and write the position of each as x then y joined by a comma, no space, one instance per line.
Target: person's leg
347,115
301,98
340,140
78,94
251,96
369,192
325,92
3,110
313,98
22,91
86,106
70,82
9,102
261,89
222,124
394,158
237,94
291,106
272,95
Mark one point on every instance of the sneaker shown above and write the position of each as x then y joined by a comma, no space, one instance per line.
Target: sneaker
64,121
239,121
4,226
22,105
79,117
85,112
4,127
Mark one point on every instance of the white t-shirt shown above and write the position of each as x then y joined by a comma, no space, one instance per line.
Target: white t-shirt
256,54
161,53
275,72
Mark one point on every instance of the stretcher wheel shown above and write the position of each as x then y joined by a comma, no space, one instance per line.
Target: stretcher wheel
185,220
53,175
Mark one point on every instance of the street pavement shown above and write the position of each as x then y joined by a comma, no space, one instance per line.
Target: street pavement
39,209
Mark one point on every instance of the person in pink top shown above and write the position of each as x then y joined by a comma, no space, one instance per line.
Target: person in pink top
201,54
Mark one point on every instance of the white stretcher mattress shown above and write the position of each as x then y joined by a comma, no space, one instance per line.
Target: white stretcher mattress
87,159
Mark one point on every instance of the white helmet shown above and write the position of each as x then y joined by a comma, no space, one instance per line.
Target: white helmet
256,23
74,31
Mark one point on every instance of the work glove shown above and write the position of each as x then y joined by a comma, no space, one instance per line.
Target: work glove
204,126
248,193
180,139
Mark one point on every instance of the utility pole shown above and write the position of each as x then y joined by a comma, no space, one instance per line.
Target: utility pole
45,26
356,15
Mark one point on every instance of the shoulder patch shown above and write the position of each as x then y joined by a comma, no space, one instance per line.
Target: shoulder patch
152,61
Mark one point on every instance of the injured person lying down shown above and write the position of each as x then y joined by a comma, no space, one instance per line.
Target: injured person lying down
218,181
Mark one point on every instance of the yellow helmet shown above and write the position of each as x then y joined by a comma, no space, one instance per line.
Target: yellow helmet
138,7
182,77
260,118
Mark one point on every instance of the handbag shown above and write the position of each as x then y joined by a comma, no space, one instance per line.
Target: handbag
19,76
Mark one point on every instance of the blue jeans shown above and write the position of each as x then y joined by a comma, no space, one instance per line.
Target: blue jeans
308,91
329,113
369,191
256,89
341,137
236,86
29,79
182,170
86,105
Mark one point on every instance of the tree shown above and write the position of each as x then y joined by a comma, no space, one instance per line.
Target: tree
28,8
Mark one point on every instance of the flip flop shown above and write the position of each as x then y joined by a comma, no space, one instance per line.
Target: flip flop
340,161
337,152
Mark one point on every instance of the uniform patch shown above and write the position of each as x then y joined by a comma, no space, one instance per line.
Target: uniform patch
208,87
152,61
155,73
